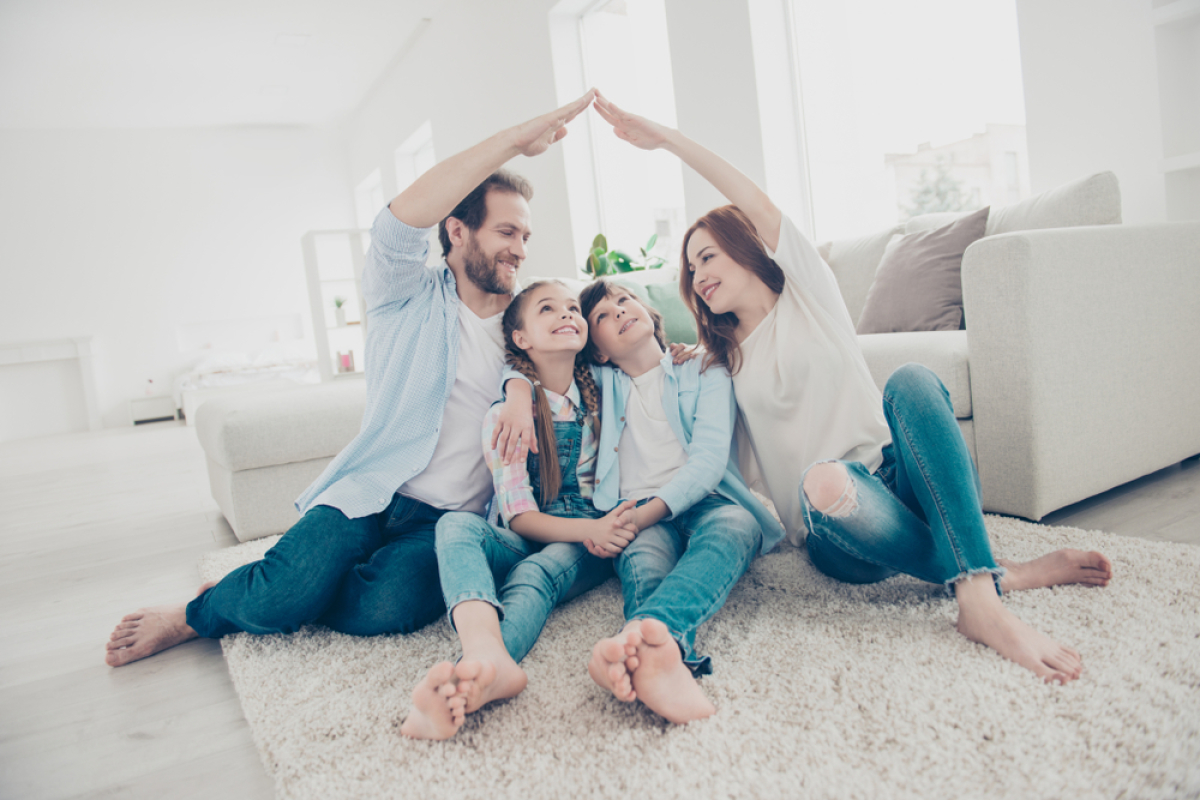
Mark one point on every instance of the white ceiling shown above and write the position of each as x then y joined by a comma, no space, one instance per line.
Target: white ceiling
173,63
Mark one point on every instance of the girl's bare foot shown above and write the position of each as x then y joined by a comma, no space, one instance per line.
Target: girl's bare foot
438,707
148,631
484,680
1057,568
613,661
983,618
662,681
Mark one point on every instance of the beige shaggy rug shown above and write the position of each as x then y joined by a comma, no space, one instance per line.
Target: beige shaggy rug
823,690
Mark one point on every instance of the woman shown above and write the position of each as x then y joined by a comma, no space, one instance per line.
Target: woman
883,484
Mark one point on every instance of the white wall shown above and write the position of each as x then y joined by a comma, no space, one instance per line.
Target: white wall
126,234
479,67
1091,97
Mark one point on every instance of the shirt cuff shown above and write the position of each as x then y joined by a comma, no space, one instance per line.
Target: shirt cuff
515,502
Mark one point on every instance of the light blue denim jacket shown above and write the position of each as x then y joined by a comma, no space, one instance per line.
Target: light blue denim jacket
701,410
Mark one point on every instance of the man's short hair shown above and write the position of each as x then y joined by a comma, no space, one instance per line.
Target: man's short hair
472,209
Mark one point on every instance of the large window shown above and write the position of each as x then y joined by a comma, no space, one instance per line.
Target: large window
619,46
909,108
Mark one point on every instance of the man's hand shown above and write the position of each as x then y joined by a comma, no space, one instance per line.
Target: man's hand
535,136
612,534
514,435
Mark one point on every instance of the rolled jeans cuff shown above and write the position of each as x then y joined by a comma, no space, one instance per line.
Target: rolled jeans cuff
454,602
996,572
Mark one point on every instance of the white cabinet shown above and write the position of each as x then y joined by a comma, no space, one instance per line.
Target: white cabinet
333,264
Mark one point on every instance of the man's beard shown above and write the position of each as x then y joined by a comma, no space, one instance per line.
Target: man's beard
479,271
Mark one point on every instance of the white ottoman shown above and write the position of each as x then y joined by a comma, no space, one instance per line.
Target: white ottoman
264,449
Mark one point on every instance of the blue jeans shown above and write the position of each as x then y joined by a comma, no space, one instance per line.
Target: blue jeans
680,571
475,556
366,576
919,513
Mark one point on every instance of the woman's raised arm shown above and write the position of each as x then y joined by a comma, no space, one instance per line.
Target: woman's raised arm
726,178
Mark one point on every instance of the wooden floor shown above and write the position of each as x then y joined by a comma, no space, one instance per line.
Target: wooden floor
95,525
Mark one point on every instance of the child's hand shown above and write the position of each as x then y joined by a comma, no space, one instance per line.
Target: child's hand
682,353
612,534
513,435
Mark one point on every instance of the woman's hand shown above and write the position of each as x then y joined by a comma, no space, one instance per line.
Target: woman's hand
613,532
535,136
638,131
514,436
683,353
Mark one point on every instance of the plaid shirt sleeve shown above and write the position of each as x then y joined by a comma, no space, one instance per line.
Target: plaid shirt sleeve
514,492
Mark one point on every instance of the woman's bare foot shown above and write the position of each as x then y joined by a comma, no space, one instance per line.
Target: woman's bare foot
150,630
613,661
983,618
662,681
438,707
1057,568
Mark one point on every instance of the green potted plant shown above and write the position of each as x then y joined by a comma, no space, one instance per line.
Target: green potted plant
339,313
601,261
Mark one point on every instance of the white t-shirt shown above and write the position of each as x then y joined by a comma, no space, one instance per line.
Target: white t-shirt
804,392
457,479
649,454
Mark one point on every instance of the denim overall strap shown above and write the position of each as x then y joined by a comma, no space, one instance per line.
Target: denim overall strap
570,502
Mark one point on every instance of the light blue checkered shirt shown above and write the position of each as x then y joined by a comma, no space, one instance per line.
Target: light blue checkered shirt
411,358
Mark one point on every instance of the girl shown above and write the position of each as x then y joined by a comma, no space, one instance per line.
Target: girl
665,444
882,484
545,504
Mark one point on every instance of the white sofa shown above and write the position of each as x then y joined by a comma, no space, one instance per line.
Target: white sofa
1078,371
1080,364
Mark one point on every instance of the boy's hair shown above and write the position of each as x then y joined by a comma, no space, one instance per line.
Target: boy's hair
600,289
736,236
472,209
543,418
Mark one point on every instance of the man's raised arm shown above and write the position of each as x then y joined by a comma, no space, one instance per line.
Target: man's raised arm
435,194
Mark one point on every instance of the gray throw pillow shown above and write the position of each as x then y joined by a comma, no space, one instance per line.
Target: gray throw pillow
918,285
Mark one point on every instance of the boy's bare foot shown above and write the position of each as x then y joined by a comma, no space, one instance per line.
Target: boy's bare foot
438,706
662,681
983,618
150,630
614,660
484,680
1057,568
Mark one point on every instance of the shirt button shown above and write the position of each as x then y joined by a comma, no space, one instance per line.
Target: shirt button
382,501
622,419
616,449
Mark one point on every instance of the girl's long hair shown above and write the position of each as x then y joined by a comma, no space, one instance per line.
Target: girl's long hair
543,418
735,235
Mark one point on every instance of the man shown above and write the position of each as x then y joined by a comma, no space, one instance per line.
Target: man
361,559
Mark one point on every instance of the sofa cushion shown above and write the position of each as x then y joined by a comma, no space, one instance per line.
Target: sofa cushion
930,222
944,352
259,430
918,286
1095,200
853,263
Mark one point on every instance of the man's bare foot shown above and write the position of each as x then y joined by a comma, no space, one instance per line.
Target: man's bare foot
614,660
662,681
150,630
438,706
1057,568
983,618
485,680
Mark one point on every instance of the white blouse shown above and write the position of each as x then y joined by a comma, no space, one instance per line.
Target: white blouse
804,392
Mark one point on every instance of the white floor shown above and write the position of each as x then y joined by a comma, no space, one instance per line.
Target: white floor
95,525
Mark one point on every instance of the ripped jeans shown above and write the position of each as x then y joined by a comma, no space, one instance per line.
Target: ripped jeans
919,513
